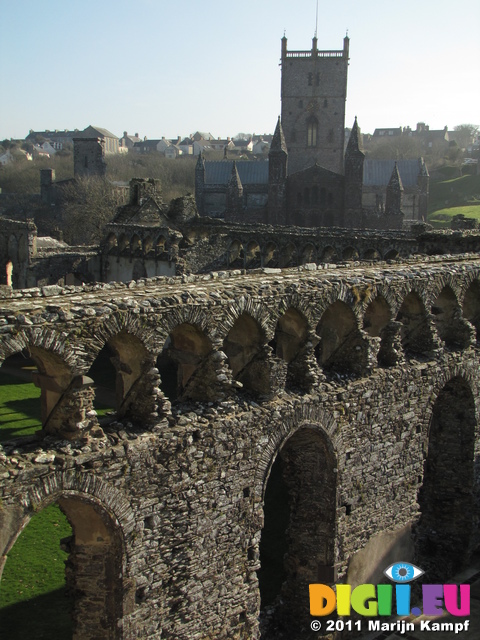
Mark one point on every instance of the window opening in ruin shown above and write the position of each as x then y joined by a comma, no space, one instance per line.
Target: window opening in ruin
341,348
310,79
291,334
242,345
104,375
415,334
33,580
447,316
20,409
329,254
446,500
181,364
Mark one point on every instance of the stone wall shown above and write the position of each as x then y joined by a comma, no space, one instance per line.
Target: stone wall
340,373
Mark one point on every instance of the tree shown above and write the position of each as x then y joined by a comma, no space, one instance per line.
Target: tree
88,204
465,134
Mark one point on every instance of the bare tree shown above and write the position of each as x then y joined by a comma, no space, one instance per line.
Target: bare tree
88,204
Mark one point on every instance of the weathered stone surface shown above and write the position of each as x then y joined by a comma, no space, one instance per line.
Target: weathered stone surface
167,500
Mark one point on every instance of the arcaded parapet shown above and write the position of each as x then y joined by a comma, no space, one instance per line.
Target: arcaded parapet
351,391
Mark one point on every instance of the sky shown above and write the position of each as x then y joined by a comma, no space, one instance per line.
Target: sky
172,67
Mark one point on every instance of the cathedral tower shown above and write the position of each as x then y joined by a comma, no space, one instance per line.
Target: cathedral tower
314,91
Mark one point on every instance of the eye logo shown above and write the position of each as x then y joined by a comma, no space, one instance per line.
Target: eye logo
403,572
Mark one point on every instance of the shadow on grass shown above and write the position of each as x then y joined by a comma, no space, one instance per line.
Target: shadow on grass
46,617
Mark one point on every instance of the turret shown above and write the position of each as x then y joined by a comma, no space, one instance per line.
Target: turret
200,183
234,195
354,159
423,182
277,177
394,195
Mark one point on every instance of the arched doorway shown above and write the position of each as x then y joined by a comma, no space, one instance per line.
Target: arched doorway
297,545
93,569
446,499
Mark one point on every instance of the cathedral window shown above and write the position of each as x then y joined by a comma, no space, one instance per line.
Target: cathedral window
312,129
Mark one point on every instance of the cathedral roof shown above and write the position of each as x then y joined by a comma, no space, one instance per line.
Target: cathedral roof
379,172
249,172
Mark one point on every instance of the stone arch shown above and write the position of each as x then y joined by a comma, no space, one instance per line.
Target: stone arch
416,334
301,476
391,254
103,523
448,321
148,246
131,354
309,254
136,245
160,245
288,256
181,364
446,497
271,257
350,253
235,255
341,349
329,254
123,244
291,335
111,243
372,254
253,256
471,305
243,346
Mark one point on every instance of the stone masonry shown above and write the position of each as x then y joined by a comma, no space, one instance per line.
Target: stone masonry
361,379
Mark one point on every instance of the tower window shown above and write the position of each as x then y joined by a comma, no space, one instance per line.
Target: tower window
300,104
310,79
312,129
85,162
325,103
317,79
306,195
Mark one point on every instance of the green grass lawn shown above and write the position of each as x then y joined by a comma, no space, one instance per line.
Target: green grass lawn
19,407
456,192
443,217
33,603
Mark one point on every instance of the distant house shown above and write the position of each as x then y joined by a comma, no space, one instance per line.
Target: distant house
388,132
9,156
58,139
186,146
110,139
201,135
243,146
127,141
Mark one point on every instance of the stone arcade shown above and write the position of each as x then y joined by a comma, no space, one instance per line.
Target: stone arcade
361,381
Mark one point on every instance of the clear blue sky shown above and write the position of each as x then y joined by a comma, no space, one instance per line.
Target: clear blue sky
168,67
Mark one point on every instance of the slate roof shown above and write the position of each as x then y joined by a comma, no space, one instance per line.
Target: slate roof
379,172
97,131
249,172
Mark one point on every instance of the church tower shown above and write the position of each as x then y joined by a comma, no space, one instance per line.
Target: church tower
314,91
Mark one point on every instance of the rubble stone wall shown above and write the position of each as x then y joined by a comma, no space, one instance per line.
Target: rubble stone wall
166,501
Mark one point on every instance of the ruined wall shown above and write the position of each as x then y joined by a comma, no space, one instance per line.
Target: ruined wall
354,364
